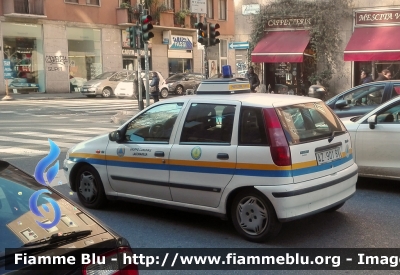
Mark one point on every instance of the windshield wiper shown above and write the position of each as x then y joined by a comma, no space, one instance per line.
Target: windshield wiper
56,238
334,133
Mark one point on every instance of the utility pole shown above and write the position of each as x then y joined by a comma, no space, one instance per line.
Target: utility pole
205,60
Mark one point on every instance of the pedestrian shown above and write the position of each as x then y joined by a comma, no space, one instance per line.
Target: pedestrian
154,86
385,75
365,77
253,79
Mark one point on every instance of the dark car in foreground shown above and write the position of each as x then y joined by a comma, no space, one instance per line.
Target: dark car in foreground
178,83
26,207
363,98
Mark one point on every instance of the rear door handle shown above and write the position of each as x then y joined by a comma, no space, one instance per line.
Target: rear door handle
222,156
159,154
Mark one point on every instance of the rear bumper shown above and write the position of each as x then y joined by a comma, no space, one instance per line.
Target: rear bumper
294,201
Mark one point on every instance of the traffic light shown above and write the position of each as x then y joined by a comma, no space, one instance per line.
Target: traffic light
132,37
201,33
214,34
146,27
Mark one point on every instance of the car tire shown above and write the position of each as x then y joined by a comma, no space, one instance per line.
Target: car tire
179,90
336,207
254,217
164,93
106,92
91,96
90,187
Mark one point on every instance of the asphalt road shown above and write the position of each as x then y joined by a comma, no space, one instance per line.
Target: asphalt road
368,220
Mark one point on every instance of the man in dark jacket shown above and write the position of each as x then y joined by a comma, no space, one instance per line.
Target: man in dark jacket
253,79
365,77
154,83
386,75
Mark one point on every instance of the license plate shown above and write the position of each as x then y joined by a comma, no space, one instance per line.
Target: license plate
85,90
328,155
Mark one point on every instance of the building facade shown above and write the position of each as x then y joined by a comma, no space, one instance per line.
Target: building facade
46,44
369,42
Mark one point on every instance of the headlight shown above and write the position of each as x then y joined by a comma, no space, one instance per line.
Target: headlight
95,85
68,152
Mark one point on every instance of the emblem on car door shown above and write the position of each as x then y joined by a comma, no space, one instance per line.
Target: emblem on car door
196,153
120,151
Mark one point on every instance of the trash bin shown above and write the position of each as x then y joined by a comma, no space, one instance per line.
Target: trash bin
317,91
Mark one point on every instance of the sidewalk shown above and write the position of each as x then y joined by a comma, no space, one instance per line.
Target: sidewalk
45,96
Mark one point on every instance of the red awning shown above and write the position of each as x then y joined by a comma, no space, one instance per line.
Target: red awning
375,43
285,46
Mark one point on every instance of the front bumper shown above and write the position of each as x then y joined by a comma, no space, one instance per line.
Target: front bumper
88,90
295,201
67,167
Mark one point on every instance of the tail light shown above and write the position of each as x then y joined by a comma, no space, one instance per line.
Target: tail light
280,150
112,267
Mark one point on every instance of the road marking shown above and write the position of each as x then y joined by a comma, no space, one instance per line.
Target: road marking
21,151
55,136
35,141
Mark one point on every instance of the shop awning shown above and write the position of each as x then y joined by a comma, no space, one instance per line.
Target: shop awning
375,43
284,46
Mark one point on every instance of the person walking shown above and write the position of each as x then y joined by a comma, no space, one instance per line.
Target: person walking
365,77
253,79
155,90
385,75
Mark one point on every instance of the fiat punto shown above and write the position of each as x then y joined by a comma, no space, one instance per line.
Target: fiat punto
258,159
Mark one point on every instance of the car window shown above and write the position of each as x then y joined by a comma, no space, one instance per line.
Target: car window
154,125
370,95
308,122
119,76
252,129
199,77
175,77
390,114
208,123
104,75
190,77
396,90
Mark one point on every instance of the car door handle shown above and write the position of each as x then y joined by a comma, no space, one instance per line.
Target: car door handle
222,156
159,154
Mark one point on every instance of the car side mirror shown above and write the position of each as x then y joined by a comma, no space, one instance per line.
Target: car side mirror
372,121
115,136
341,103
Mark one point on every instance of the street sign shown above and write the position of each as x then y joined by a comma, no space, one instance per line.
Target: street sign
239,45
198,6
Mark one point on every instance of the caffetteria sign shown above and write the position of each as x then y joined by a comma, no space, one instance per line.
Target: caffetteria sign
179,42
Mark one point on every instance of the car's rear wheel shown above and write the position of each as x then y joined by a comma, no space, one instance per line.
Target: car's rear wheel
164,93
90,187
333,209
179,90
254,216
106,92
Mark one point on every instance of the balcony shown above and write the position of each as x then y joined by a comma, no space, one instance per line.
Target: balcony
126,18
24,8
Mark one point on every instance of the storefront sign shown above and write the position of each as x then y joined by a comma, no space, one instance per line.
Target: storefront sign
8,71
250,9
56,59
132,52
181,43
288,23
378,17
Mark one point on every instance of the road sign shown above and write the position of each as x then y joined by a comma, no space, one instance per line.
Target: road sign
239,45
198,6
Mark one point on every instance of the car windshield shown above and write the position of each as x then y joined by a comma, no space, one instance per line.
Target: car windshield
175,77
104,75
18,224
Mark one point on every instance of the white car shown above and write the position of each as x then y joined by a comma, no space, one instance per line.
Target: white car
125,88
259,159
376,140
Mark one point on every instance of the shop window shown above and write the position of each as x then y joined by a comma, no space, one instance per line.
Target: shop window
179,65
222,9
93,2
210,9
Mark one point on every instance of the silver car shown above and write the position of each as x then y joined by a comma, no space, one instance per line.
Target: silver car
104,84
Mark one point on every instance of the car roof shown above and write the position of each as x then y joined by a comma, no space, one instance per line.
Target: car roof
250,99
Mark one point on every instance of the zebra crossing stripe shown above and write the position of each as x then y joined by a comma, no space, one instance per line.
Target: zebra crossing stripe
21,151
35,141
93,133
52,136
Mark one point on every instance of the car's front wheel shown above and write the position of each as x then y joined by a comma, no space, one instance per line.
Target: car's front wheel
90,187
179,90
106,92
164,93
254,216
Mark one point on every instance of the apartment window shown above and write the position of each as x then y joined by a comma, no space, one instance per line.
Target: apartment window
71,1
185,4
169,4
222,9
210,13
93,2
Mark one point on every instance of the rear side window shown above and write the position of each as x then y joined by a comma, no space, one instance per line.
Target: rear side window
308,122
252,129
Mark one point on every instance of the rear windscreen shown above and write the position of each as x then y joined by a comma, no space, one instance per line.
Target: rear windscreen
308,122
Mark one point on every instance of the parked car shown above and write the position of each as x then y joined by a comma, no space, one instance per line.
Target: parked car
125,88
178,83
364,98
376,142
104,84
23,200
258,159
